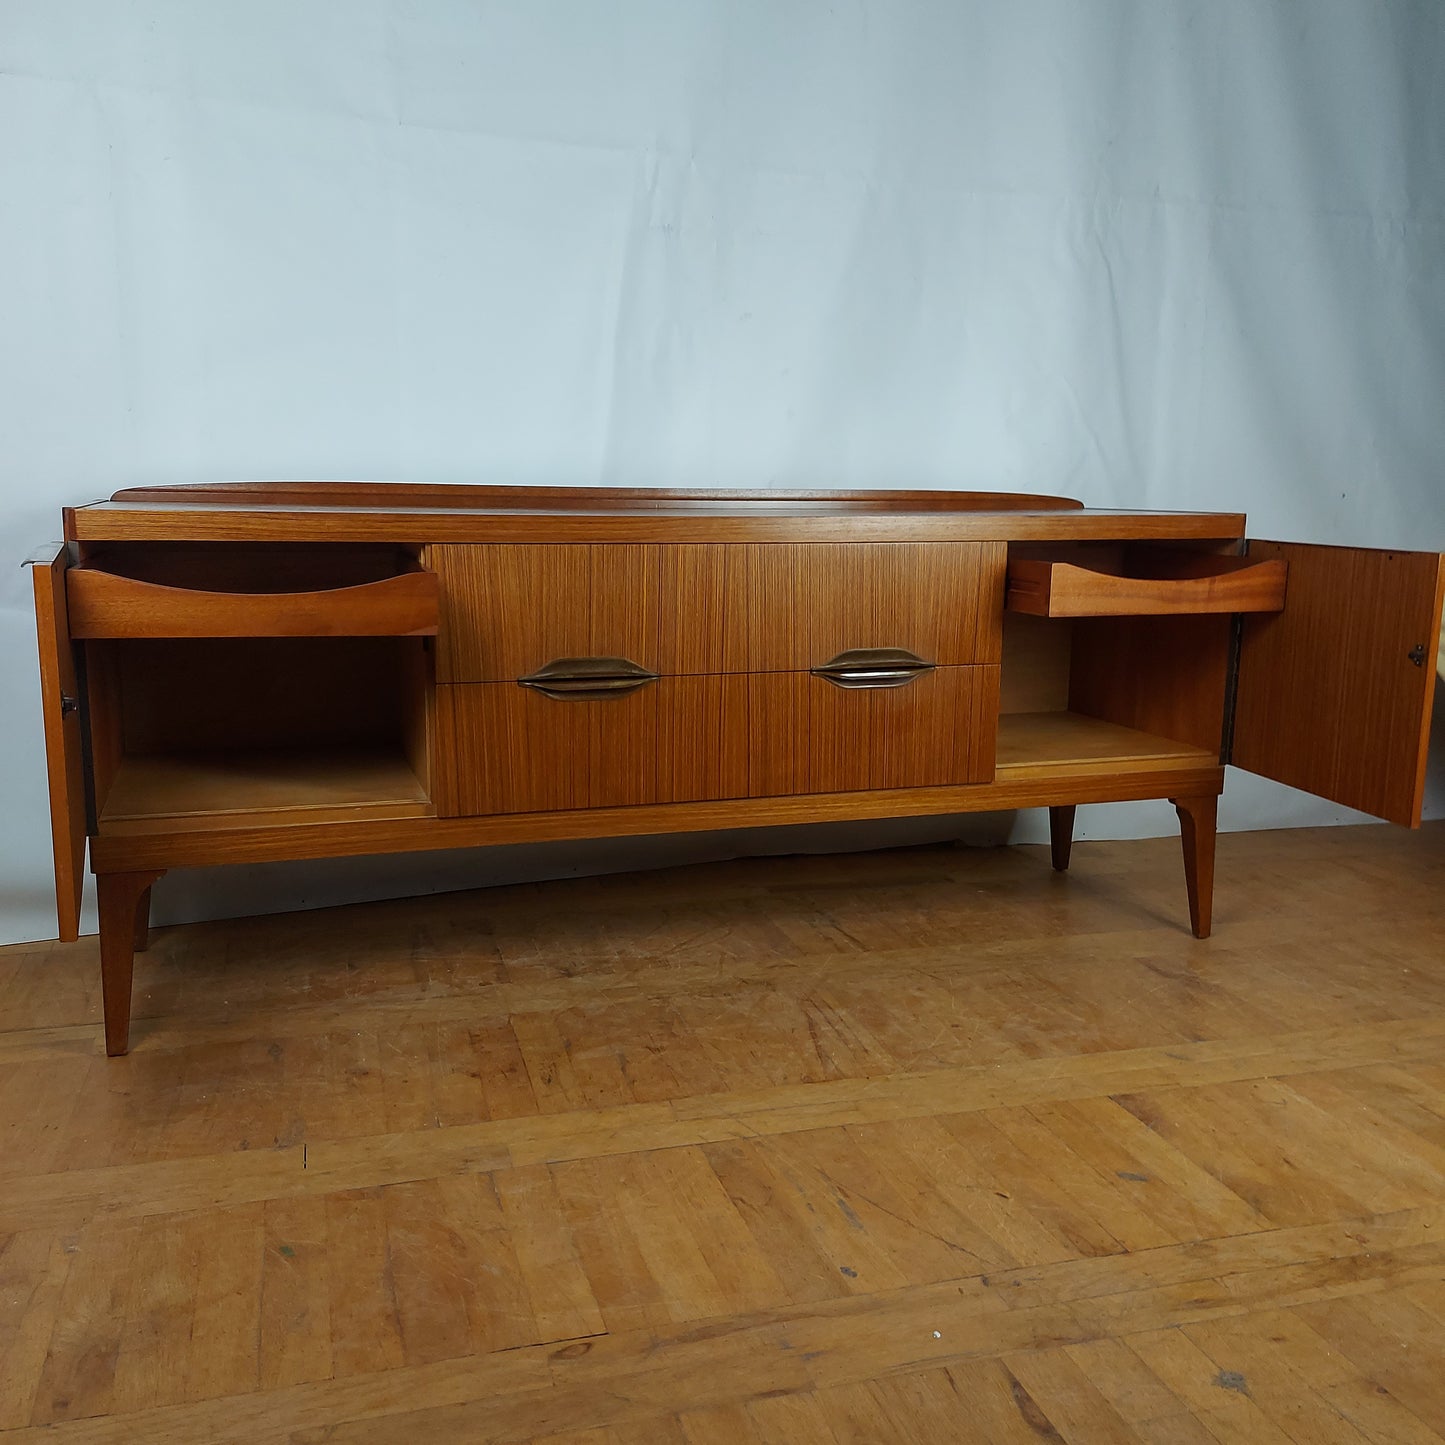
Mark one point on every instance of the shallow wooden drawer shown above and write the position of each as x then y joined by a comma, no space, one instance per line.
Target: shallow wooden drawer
807,735
508,610
143,598
1189,584
793,606
502,748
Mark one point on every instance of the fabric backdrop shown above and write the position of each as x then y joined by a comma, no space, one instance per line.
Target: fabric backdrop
1159,253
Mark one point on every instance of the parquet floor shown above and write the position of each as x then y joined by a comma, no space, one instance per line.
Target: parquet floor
919,1146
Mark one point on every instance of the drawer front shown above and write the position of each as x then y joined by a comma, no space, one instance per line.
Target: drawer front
808,736
506,749
792,606
711,609
507,611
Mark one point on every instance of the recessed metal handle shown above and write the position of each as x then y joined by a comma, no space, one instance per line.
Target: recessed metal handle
873,667
587,679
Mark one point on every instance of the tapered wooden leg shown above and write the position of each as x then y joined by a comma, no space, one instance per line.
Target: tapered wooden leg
143,922
1198,818
122,897
1061,836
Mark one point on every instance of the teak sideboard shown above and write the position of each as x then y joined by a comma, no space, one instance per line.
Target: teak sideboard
260,671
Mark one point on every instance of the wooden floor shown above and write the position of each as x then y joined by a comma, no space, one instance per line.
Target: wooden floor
928,1145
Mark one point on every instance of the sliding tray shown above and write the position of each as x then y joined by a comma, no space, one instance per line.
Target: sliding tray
1163,586
363,593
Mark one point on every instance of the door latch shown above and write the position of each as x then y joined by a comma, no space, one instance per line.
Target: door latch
67,704
1417,654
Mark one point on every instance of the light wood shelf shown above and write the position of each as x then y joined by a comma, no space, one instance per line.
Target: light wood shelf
1037,744
187,791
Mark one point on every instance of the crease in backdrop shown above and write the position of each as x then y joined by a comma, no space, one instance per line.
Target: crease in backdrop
1148,252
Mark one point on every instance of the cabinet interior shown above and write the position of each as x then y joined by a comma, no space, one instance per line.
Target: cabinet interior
194,728
1082,693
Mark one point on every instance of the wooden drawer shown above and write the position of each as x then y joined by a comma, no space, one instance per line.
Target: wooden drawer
507,749
687,609
1166,584
194,593
807,736
509,610
788,607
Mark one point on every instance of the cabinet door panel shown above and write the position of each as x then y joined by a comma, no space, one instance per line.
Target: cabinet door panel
808,736
508,610
1331,698
64,753
787,607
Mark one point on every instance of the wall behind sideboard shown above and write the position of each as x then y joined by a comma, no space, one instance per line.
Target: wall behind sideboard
1164,253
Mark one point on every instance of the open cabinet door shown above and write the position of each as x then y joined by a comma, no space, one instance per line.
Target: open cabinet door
64,754
1334,693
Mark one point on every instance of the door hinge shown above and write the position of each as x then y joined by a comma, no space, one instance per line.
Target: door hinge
1417,654
68,704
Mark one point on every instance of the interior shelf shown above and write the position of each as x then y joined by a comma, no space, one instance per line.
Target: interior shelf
228,789
1042,743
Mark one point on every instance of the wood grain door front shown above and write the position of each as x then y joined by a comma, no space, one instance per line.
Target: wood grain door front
64,754
1335,692
787,607
508,610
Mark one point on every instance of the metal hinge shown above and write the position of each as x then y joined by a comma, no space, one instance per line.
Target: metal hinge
1417,654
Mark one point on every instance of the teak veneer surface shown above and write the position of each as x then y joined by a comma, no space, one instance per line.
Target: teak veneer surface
506,749
399,512
589,499
1020,785
1200,585
509,610
1342,652
194,785
110,604
64,751
685,658
924,1146
1046,740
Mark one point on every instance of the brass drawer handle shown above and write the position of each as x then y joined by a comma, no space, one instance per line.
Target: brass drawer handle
587,679
873,667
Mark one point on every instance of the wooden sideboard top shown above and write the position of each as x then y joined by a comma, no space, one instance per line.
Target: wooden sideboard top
413,512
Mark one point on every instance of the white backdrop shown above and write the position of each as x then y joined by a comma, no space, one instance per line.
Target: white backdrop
1147,252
